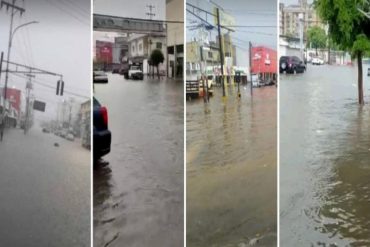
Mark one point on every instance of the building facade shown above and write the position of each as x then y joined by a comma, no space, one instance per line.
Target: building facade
175,38
140,47
289,18
264,63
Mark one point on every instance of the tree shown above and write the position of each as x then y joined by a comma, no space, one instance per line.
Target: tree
156,58
317,37
348,28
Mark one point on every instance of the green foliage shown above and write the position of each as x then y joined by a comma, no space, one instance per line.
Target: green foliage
361,45
346,23
348,28
317,37
156,57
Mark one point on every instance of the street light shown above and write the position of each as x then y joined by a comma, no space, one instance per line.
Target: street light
22,25
9,49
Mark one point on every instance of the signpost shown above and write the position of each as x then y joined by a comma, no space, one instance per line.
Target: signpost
39,106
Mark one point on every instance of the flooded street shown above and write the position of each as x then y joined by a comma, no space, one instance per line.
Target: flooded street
138,196
44,190
324,158
231,169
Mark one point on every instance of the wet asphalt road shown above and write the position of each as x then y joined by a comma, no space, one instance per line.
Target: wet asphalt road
231,169
139,195
44,191
324,158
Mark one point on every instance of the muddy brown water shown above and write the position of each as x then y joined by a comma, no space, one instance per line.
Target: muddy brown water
324,159
231,169
139,194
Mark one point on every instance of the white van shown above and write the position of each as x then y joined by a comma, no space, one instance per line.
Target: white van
256,82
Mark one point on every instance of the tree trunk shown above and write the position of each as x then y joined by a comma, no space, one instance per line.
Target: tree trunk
316,51
360,80
158,71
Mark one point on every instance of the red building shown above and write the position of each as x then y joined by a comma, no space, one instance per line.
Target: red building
104,52
264,62
14,97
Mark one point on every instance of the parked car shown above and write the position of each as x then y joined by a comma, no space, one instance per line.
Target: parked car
100,77
115,71
101,133
70,137
63,133
317,61
291,64
135,72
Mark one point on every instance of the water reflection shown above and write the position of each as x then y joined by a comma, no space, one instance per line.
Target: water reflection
231,169
138,197
324,167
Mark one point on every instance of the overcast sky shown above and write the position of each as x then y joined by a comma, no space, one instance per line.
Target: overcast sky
131,9
60,43
246,13
125,8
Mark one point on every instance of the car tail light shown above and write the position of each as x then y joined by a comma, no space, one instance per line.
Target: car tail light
104,113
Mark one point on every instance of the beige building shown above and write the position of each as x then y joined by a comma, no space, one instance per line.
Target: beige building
289,18
141,46
175,37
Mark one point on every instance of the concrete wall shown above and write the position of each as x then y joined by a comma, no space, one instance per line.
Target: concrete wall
175,31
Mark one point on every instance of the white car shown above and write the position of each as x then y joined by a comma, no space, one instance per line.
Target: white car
317,61
70,137
135,73
100,77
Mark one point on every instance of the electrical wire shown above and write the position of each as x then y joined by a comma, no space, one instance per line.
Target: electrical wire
73,15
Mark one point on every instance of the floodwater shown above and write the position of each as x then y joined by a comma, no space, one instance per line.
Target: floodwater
231,169
44,190
324,158
139,195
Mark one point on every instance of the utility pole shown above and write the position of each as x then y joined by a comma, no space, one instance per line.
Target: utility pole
28,90
13,10
221,51
70,113
1,63
250,66
300,19
1,68
150,13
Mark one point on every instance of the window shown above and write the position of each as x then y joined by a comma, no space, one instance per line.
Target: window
159,45
140,47
179,48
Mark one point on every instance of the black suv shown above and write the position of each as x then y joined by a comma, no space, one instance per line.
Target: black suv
291,64
102,135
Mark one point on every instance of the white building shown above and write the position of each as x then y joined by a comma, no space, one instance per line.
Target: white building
141,46
175,37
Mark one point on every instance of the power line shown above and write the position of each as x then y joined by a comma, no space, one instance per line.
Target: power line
77,7
38,82
251,26
76,17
